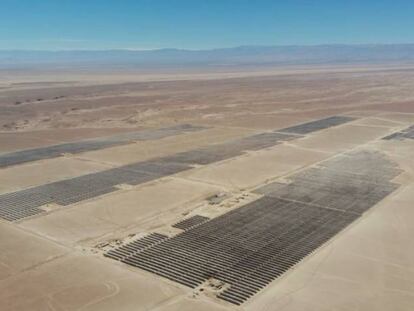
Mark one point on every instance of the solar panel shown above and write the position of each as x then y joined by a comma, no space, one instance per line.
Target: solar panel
227,150
242,248
202,156
135,246
190,222
92,185
350,182
317,125
157,167
407,133
250,246
54,151
85,187
70,191
263,140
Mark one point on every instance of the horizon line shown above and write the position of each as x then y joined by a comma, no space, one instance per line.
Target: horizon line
199,50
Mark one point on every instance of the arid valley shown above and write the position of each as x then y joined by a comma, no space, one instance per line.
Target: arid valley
251,188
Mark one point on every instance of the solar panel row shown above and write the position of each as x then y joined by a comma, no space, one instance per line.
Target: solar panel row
317,125
191,222
84,187
54,151
407,133
135,246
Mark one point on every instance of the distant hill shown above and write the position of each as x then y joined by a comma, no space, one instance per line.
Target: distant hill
244,55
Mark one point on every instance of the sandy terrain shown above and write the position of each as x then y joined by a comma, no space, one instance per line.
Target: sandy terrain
263,102
54,260
253,169
120,211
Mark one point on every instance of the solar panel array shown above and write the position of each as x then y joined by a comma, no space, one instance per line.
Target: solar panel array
18,205
24,203
191,222
135,246
407,133
250,246
220,152
350,183
54,151
317,125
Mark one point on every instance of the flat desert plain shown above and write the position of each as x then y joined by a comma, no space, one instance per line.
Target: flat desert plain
244,189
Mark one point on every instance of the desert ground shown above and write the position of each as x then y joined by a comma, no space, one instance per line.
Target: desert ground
234,189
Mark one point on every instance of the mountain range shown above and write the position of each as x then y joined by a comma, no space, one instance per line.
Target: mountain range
243,55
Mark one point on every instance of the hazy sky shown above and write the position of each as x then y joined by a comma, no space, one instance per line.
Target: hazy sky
200,24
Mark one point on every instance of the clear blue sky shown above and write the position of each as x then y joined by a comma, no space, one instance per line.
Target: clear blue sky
200,24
